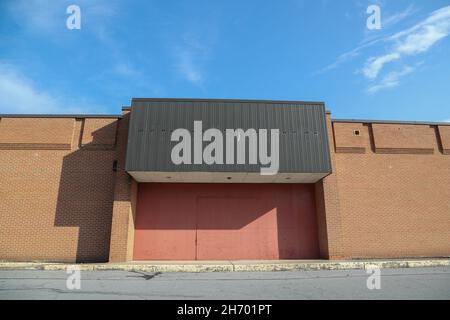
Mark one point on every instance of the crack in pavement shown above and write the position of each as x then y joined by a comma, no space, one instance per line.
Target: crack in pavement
144,275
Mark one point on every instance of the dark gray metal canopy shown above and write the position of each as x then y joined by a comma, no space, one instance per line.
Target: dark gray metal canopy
303,141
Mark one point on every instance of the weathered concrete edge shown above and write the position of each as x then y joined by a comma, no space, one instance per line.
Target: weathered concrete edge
234,266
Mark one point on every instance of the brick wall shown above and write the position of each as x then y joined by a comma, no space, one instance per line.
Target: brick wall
394,189
328,208
125,193
56,188
60,200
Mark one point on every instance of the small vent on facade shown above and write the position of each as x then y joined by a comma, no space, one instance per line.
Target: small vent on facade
356,133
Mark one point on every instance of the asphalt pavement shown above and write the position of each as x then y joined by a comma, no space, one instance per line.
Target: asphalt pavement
414,283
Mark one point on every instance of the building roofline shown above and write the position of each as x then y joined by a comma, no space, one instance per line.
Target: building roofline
391,122
60,116
225,100
117,116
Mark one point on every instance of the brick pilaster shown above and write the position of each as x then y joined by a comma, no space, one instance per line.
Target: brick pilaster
122,230
328,208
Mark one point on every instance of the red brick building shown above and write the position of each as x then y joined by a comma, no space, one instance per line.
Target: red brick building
67,192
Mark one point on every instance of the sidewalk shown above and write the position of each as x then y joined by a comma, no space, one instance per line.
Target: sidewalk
233,266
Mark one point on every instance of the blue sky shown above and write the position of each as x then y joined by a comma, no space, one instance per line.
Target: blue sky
277,50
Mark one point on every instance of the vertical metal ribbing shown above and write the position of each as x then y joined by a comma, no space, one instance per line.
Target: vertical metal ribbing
302,151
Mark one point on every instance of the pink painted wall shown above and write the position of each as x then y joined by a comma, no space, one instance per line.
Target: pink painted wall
225,222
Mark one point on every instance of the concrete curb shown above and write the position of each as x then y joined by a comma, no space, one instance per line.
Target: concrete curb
233,266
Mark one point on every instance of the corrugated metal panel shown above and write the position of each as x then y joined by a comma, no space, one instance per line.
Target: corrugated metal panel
302,125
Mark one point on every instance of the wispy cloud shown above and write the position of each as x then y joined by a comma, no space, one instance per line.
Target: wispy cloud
125,69
38,16
48,17
46,20
343,58
190,58
369,41
21,95
375,64
392,79
396,18
188,67
413,41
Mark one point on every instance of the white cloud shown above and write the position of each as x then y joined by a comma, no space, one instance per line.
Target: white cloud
391,80
125,69
20,95
399,16
418,39
49,16
37,15
188,68
374,65
407,43
190,58
46,20
348,56
369,41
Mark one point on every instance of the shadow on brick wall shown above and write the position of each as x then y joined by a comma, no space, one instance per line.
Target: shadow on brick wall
86,193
